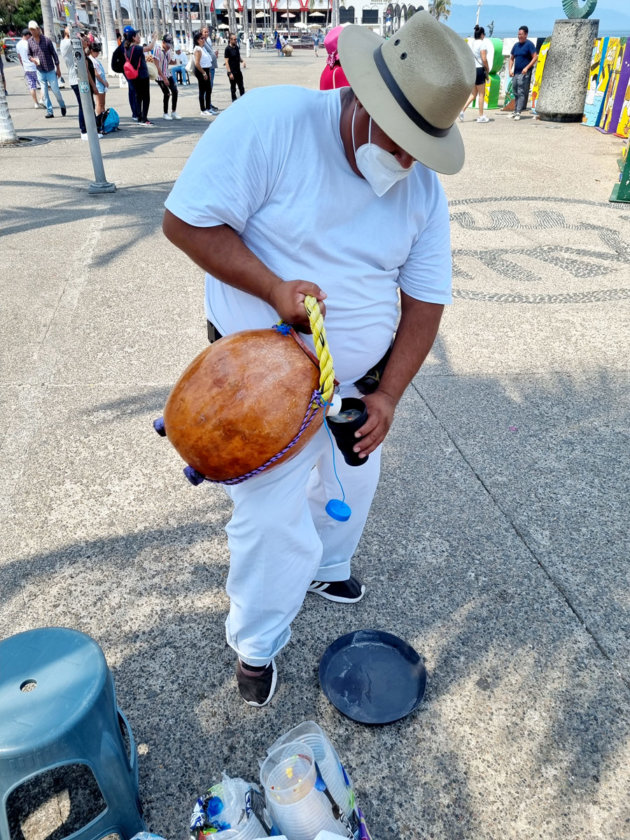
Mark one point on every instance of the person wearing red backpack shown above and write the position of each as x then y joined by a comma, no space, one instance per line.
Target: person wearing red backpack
136,72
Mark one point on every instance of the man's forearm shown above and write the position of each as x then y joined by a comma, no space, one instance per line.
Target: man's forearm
221,252
419,323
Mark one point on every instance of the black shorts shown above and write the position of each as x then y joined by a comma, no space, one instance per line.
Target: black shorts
480,78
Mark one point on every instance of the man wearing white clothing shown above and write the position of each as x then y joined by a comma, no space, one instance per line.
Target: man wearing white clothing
368,214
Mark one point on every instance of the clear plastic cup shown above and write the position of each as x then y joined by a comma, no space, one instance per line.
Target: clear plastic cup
297,808
304,819
288,773
250,829
313,736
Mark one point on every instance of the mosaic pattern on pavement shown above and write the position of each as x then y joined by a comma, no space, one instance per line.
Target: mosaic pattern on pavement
529,257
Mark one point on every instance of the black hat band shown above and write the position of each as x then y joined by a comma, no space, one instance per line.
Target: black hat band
401,99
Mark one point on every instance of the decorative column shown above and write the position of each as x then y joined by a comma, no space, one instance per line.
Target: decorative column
565,76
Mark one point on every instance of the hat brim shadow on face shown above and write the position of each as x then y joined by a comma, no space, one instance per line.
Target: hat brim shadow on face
356,53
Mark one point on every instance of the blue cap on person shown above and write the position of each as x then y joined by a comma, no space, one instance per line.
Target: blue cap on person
129,32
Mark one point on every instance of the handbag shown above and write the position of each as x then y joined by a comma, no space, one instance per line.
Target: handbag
190,67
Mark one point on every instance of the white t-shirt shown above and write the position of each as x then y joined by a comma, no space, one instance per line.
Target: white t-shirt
204,60
477,46
27,65
273,168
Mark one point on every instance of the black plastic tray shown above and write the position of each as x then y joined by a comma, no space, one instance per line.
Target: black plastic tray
372,676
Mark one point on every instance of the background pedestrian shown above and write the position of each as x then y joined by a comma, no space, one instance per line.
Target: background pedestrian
522,58
42,52
30,69
163,57
482,69
233,63
101,82
202,63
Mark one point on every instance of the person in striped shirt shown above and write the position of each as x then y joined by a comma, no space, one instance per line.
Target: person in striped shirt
163,56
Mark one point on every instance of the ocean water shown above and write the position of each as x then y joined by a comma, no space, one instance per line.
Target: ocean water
603,33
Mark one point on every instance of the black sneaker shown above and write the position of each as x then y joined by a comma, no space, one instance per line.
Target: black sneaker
49,116
63,112
256,684
342,591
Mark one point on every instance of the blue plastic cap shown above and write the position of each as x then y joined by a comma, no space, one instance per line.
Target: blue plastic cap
158,425
338,510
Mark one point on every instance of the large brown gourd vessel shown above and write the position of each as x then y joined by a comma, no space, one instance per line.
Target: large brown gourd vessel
248,402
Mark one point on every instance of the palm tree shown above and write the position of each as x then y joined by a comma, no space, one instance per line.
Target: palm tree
229,5
109,32
8,137
440,8
155,11
47,20
246,24
119,17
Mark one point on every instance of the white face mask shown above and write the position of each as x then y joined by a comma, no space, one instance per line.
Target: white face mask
379,168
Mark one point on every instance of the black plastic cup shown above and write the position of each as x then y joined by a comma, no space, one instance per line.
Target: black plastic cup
351,417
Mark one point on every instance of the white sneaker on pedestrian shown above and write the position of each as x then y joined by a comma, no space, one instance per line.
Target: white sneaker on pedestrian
167,116
84,136
517,116
461,116
483,119
175,115
134,119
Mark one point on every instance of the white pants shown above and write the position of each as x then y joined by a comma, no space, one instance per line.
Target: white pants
281,538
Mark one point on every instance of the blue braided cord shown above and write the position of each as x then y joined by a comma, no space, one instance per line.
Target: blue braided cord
315,403
332,443
282,328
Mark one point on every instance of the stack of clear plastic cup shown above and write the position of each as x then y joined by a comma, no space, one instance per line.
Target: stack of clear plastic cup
328,762
297,807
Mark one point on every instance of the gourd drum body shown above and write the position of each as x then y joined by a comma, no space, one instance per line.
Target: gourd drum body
242,401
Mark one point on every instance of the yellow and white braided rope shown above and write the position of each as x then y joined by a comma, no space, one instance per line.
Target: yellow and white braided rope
326,372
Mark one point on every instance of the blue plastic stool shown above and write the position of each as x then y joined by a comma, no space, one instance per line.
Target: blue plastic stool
57,708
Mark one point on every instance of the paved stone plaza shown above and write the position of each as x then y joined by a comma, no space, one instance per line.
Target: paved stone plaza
498,544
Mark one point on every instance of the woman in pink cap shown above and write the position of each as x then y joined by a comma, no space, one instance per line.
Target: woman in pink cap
332,74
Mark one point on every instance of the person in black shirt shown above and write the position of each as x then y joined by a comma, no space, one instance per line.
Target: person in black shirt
233,63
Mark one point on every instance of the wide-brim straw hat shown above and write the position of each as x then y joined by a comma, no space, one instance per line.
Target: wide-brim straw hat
413,85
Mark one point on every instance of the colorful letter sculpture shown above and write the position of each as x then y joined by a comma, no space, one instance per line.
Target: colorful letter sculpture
493,82
539,69
618,91
621,191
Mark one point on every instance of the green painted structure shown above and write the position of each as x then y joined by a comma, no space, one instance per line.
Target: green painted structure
621,191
